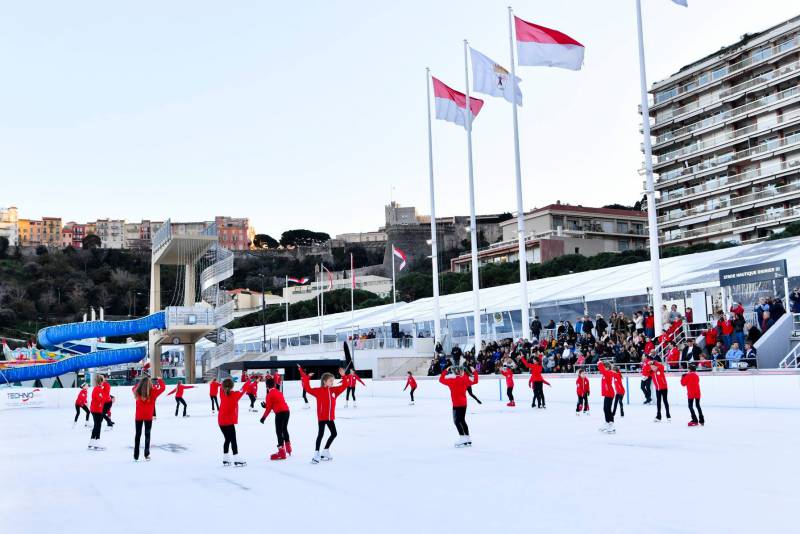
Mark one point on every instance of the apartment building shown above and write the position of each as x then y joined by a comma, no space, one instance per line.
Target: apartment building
9,225
33,233
726,141
111,232
235,233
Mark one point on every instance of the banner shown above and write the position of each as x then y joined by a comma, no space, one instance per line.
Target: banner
22,398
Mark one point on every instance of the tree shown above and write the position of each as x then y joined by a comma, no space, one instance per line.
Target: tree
303,238
91,241
3,246
263,241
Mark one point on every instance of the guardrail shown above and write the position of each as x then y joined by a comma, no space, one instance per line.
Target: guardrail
189,316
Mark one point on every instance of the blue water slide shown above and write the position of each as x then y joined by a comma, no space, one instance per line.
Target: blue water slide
54,335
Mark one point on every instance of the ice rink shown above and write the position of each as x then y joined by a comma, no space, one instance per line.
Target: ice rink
395,470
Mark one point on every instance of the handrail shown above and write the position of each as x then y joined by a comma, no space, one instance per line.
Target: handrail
777,215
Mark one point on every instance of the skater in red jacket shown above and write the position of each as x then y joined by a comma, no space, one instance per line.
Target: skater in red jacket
101,394
619,390
213,393
228,417
277,403
80,404
691,381
647,381
536,377
411,383
351,378
582,384
660,382
458,395
607,391
305,394
178,390
326,396
509,374
145,393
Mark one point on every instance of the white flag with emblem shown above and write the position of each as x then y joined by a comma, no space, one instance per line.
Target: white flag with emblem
490,78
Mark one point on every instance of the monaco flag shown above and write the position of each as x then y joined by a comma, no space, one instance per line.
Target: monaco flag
451,105
489,77
400,254
297,280
537,45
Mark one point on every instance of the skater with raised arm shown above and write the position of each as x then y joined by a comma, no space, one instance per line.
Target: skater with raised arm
277,403
178,390
607,391
145,393
411,383
508,373
213,393
538,381
326,396
228,418
582,389
458,386
691,381
660,383
101,394
351,378
80,404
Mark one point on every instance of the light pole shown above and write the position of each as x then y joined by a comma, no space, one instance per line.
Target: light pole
263,316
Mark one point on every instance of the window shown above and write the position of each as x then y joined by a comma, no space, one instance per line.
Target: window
623,245
719,72
622,227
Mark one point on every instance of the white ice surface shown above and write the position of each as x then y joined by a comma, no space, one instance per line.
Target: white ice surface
395,470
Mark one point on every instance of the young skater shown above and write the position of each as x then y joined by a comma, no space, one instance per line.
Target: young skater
509,374
582,384
277,403
252,394
619,390
100,395
227,419
178,390
691,381
458,386
351,379
305,394
145,393
326,396
80,404
607,391
538,382
660,382
647,380
213,392
411,383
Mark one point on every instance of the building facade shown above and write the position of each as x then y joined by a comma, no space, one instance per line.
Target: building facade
111,232
235,233
9,225
726,141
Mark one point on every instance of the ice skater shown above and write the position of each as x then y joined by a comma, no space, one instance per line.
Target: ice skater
691,381
582,389
538,382
607,391
100,395
252,394
411,383
619,392
458,386
660,382
647,380
213,393
80,404
178,390
326,396
107,410
509,374
228,418
145,393
351,379
277,403
305,394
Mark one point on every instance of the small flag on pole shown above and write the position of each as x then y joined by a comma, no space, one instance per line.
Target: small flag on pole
490,78
330,278
402,255
352,272
451,106
297,280
540,46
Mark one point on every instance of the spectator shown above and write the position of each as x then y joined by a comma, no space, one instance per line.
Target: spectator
638,322
601,325
737,309
726,329
536,327
738,329
689,315
691,352
674,314
711,339
734,355
751,333
766,322
776,310
794,300
664,316
750,356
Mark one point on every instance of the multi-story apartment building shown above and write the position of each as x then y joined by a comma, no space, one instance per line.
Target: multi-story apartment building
111,232
559,229
9,225
235,233
726,141
33,233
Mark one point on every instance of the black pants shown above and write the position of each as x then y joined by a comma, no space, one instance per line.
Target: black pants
648,394
607,401
510,393
538,394
98,424
696,403
229,431
214,403
583,401
282,427
469,390
106,409
252,400
178,402
661,394
350,390
321,430
412,393
147,425
618,402
78,412
305,396
460,420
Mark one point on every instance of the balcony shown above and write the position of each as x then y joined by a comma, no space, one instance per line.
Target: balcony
773,217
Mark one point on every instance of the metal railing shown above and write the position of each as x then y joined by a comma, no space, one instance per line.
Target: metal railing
189,316
775,216
162,235
792,360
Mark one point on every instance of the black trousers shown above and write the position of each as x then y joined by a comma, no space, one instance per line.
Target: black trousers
412,394
78,412
471,394
305,396
282,427
350,391
214,403
696,403
321,431
460,420
98,424
661,395
645,385
618,402
510,393
538,394
583,401
106,409
229,431
178,402
607,401
147,425
252,400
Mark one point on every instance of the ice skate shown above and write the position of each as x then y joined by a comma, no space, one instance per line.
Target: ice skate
462,442
586,412
346,404
411,403
693,423
511,404
86,425
669,419
238,462
226,460
467,441
280,455
578,414
604,427
288,446
316,458
610,429
326,456
146,457
657,420
355,405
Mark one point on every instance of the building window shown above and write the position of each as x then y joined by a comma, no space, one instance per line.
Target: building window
623,245
622,227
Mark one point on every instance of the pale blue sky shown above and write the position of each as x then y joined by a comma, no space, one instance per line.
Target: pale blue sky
306,114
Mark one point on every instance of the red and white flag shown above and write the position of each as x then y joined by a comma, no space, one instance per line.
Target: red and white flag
451,106
352,272
297,280
400,254
540,46
330,278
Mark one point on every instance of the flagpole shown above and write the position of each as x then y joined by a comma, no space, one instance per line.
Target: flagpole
652,222
476,312
394,292
523,260
287,301
322,300
437,321
352,299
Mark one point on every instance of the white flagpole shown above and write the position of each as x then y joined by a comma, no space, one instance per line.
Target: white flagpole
523,263
287,301
394,292
322,300
352,297
655,265
476,303
437,321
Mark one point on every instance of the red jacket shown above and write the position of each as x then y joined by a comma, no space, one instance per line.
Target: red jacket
351,380
674,357
535,368
659,377
275,403
646,367
509,374
178,390
607,383
145,408
410,383
82,396
213,389
711,337
650,322
100,395
277,378
458,387
583,386
727,327
229,406
692,384
619,387
649,347
252,388
326,397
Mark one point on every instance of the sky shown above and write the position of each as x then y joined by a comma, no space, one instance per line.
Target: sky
312,115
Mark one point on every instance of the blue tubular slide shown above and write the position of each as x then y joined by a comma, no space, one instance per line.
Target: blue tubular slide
54,335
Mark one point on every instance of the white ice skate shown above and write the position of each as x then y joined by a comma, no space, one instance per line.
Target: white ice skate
610,429
462,442
94,445
346,404
316,458
586,412
578,414
604,427
238,461
226,460
467,441
355,405
656,420
326,456
411,403
669,419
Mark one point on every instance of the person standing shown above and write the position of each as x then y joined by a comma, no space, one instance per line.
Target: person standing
660,382
277,403
178,390
252,392
607,391
213,393
228,418
691,381
537,380
101,393
509,374
80,404
411,383
582,384
619,392
647,380
351,378
145,393
326,396
458,395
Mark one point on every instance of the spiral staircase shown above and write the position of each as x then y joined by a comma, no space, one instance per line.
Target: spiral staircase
218,264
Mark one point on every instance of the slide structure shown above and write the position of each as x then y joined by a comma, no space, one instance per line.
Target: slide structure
54,336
